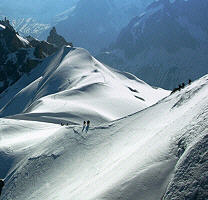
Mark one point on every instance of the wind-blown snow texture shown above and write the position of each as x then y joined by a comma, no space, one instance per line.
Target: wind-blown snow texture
158,152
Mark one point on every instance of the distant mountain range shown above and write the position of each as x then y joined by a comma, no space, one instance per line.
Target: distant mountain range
35,18
164,46
95,24
90,24
43,11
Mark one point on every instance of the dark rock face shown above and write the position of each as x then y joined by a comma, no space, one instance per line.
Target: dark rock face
19,56
12,54
42,48
56,39
166,45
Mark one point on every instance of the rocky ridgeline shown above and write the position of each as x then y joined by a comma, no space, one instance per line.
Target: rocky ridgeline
19,56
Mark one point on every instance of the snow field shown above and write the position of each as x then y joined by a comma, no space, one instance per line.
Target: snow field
137,157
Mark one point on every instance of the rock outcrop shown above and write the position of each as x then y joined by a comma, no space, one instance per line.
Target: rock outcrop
42,48
57,40
19,56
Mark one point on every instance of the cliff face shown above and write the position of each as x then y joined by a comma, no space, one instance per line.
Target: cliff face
19,56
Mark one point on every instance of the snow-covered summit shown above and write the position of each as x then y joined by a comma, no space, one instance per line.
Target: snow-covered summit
75,85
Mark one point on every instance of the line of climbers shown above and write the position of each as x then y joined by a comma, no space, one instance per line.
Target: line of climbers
180,86
85,126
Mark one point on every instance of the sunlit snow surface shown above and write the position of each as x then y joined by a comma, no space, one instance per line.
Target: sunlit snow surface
24,41
75,86
158,152
2,27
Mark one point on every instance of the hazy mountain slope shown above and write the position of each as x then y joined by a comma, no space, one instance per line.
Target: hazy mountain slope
43,11
35,17
158,152
166,45
75,85
95,24
80,20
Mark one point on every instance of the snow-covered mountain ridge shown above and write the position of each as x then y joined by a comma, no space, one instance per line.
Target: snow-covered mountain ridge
73,84
157,153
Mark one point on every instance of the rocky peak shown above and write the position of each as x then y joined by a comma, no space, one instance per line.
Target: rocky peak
7,24
10,38
18,55
56,39
42,48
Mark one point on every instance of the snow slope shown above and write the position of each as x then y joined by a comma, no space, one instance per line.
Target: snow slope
75,86
158,152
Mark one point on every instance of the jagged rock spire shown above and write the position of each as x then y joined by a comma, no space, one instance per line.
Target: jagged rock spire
56,39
